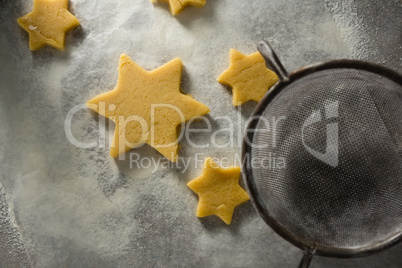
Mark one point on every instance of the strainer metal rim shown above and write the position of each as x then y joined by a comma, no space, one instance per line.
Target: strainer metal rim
247,172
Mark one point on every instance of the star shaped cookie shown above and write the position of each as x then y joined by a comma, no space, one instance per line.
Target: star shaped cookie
177,6
248,76
147,107
48,23
218,190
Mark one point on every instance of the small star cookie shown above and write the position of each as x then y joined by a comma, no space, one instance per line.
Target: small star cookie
177,6
48,23
248,76
218,190
147,107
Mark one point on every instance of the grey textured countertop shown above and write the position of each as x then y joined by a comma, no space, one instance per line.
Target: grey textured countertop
371,30
62,206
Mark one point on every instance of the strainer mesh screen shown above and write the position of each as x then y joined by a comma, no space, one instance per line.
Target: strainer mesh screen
327,158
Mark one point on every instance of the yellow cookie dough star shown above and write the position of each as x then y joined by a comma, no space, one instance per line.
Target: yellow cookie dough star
248,76
218,190
48,23
147,107
177,6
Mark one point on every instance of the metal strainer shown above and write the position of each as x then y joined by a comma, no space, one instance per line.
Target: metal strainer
323,157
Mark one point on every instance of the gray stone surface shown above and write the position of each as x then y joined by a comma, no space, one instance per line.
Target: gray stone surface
12,251
75,207
371,30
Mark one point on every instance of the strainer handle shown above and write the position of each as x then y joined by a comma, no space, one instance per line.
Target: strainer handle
272,61
306,260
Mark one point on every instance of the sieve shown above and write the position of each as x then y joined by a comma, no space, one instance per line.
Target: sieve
322,157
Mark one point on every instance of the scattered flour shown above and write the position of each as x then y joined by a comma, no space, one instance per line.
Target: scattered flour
351,27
